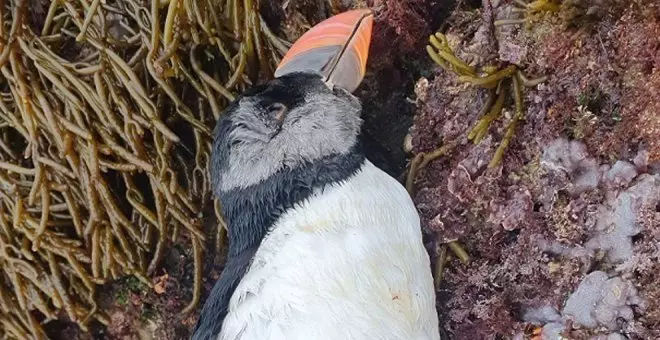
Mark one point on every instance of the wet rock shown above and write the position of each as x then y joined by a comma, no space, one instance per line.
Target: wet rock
600,301
612,336
641,160
514,212
619,220
541,315
553,331
620,174
572,158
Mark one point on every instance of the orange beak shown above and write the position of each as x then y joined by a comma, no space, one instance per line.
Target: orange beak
337,48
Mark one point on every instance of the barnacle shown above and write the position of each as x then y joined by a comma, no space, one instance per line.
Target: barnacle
106,112
497,81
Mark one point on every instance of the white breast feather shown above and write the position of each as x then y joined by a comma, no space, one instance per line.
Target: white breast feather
348,263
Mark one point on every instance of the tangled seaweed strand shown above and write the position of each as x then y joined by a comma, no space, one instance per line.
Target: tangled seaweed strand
106,113
420,161
495,81
529,10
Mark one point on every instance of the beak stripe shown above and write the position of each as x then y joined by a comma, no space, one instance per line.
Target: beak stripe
337,48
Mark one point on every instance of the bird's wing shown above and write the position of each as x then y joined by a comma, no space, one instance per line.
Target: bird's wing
213,314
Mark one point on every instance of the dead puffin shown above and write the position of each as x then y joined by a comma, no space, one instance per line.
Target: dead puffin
322,244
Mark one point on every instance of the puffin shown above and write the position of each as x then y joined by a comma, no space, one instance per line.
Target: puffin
323,245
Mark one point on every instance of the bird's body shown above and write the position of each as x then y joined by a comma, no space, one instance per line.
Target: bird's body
346,263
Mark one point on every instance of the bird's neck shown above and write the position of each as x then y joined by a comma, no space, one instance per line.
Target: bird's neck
251,211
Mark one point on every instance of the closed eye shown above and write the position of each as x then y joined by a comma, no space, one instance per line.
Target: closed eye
277,111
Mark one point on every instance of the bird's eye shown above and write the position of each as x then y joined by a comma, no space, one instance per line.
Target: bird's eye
277,111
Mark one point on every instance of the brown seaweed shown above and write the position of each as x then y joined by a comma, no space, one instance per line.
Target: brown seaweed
98,97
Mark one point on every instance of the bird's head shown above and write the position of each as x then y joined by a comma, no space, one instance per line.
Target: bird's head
306,113
284,123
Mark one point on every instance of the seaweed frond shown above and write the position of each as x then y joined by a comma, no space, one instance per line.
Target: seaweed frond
497,81
106,113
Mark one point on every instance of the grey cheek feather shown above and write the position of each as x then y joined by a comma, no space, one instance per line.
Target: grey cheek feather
325,125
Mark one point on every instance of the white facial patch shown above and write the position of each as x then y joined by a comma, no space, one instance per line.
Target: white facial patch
323,125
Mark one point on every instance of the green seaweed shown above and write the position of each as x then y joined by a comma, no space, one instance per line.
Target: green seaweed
531,11
420,161
498,81
122,297
148,313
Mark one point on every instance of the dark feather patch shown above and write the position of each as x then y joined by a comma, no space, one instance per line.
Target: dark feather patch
250,213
